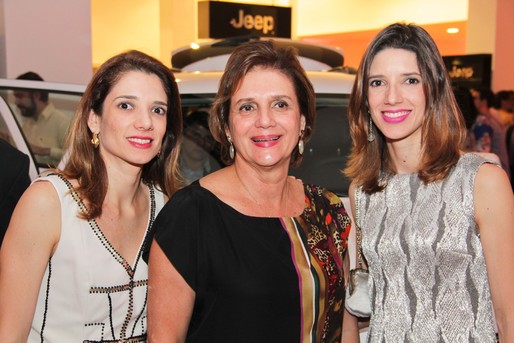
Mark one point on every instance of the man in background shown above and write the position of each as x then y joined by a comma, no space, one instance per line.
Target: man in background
198,150
44,126
505,107
484,100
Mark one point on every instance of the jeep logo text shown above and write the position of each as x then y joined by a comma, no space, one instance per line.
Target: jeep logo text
249,22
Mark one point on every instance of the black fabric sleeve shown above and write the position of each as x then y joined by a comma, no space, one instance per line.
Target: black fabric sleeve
176,230
14,181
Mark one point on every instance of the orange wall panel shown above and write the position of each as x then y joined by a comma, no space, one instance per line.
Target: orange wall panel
353,44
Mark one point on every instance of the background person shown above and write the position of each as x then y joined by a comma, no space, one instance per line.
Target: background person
505,107
437,224
198,148
478,133
510,149
44,126
14,179
248,253
484,101
71,267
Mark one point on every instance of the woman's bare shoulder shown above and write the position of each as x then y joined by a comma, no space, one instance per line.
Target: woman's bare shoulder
40,194
36,219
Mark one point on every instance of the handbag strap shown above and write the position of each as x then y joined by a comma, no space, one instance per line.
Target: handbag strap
358,232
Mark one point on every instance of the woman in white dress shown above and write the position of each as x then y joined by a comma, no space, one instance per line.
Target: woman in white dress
70,264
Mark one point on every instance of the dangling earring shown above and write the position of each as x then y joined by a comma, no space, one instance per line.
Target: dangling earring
371,135
300,144
159,154
95,140
231,150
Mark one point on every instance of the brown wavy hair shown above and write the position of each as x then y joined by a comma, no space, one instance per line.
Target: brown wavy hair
245,58
443,128
85,163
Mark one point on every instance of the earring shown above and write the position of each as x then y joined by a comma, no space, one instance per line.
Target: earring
300,144
231,150
159,154
95,140
371,134
300,147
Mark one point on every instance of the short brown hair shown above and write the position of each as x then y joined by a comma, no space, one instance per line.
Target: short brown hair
242,60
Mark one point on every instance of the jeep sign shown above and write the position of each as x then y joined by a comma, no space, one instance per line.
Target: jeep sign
249,22
226,19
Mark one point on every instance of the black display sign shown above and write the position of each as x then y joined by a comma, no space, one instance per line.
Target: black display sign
228,19
469,70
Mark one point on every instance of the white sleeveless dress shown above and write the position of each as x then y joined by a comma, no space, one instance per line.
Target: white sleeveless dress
89,293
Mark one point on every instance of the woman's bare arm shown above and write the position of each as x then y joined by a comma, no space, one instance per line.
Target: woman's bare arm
494,212
350,332
170,300
29,242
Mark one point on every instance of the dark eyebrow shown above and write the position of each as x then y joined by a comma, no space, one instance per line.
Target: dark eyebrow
133,97
274,97
243,100
414,73
162,103
277,97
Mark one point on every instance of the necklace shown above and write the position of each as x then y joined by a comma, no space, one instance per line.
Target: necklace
257,202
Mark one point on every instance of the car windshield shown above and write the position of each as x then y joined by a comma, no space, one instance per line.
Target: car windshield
44,117
324,155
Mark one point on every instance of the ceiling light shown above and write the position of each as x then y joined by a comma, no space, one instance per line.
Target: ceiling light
452,30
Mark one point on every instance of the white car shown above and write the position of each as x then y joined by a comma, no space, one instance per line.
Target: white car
199,69
65,98
325,154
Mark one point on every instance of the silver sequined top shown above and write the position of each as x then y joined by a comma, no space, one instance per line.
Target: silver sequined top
428,276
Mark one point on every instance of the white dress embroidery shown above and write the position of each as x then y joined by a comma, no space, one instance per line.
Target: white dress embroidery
89,293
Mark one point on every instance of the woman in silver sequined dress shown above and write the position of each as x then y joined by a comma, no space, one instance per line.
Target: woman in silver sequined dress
437,224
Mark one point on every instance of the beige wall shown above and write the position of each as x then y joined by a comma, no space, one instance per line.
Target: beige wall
119,25
50,37
156,27
330,16
62,39
160,26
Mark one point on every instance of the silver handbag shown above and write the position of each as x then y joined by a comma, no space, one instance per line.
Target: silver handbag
357,300
357,296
